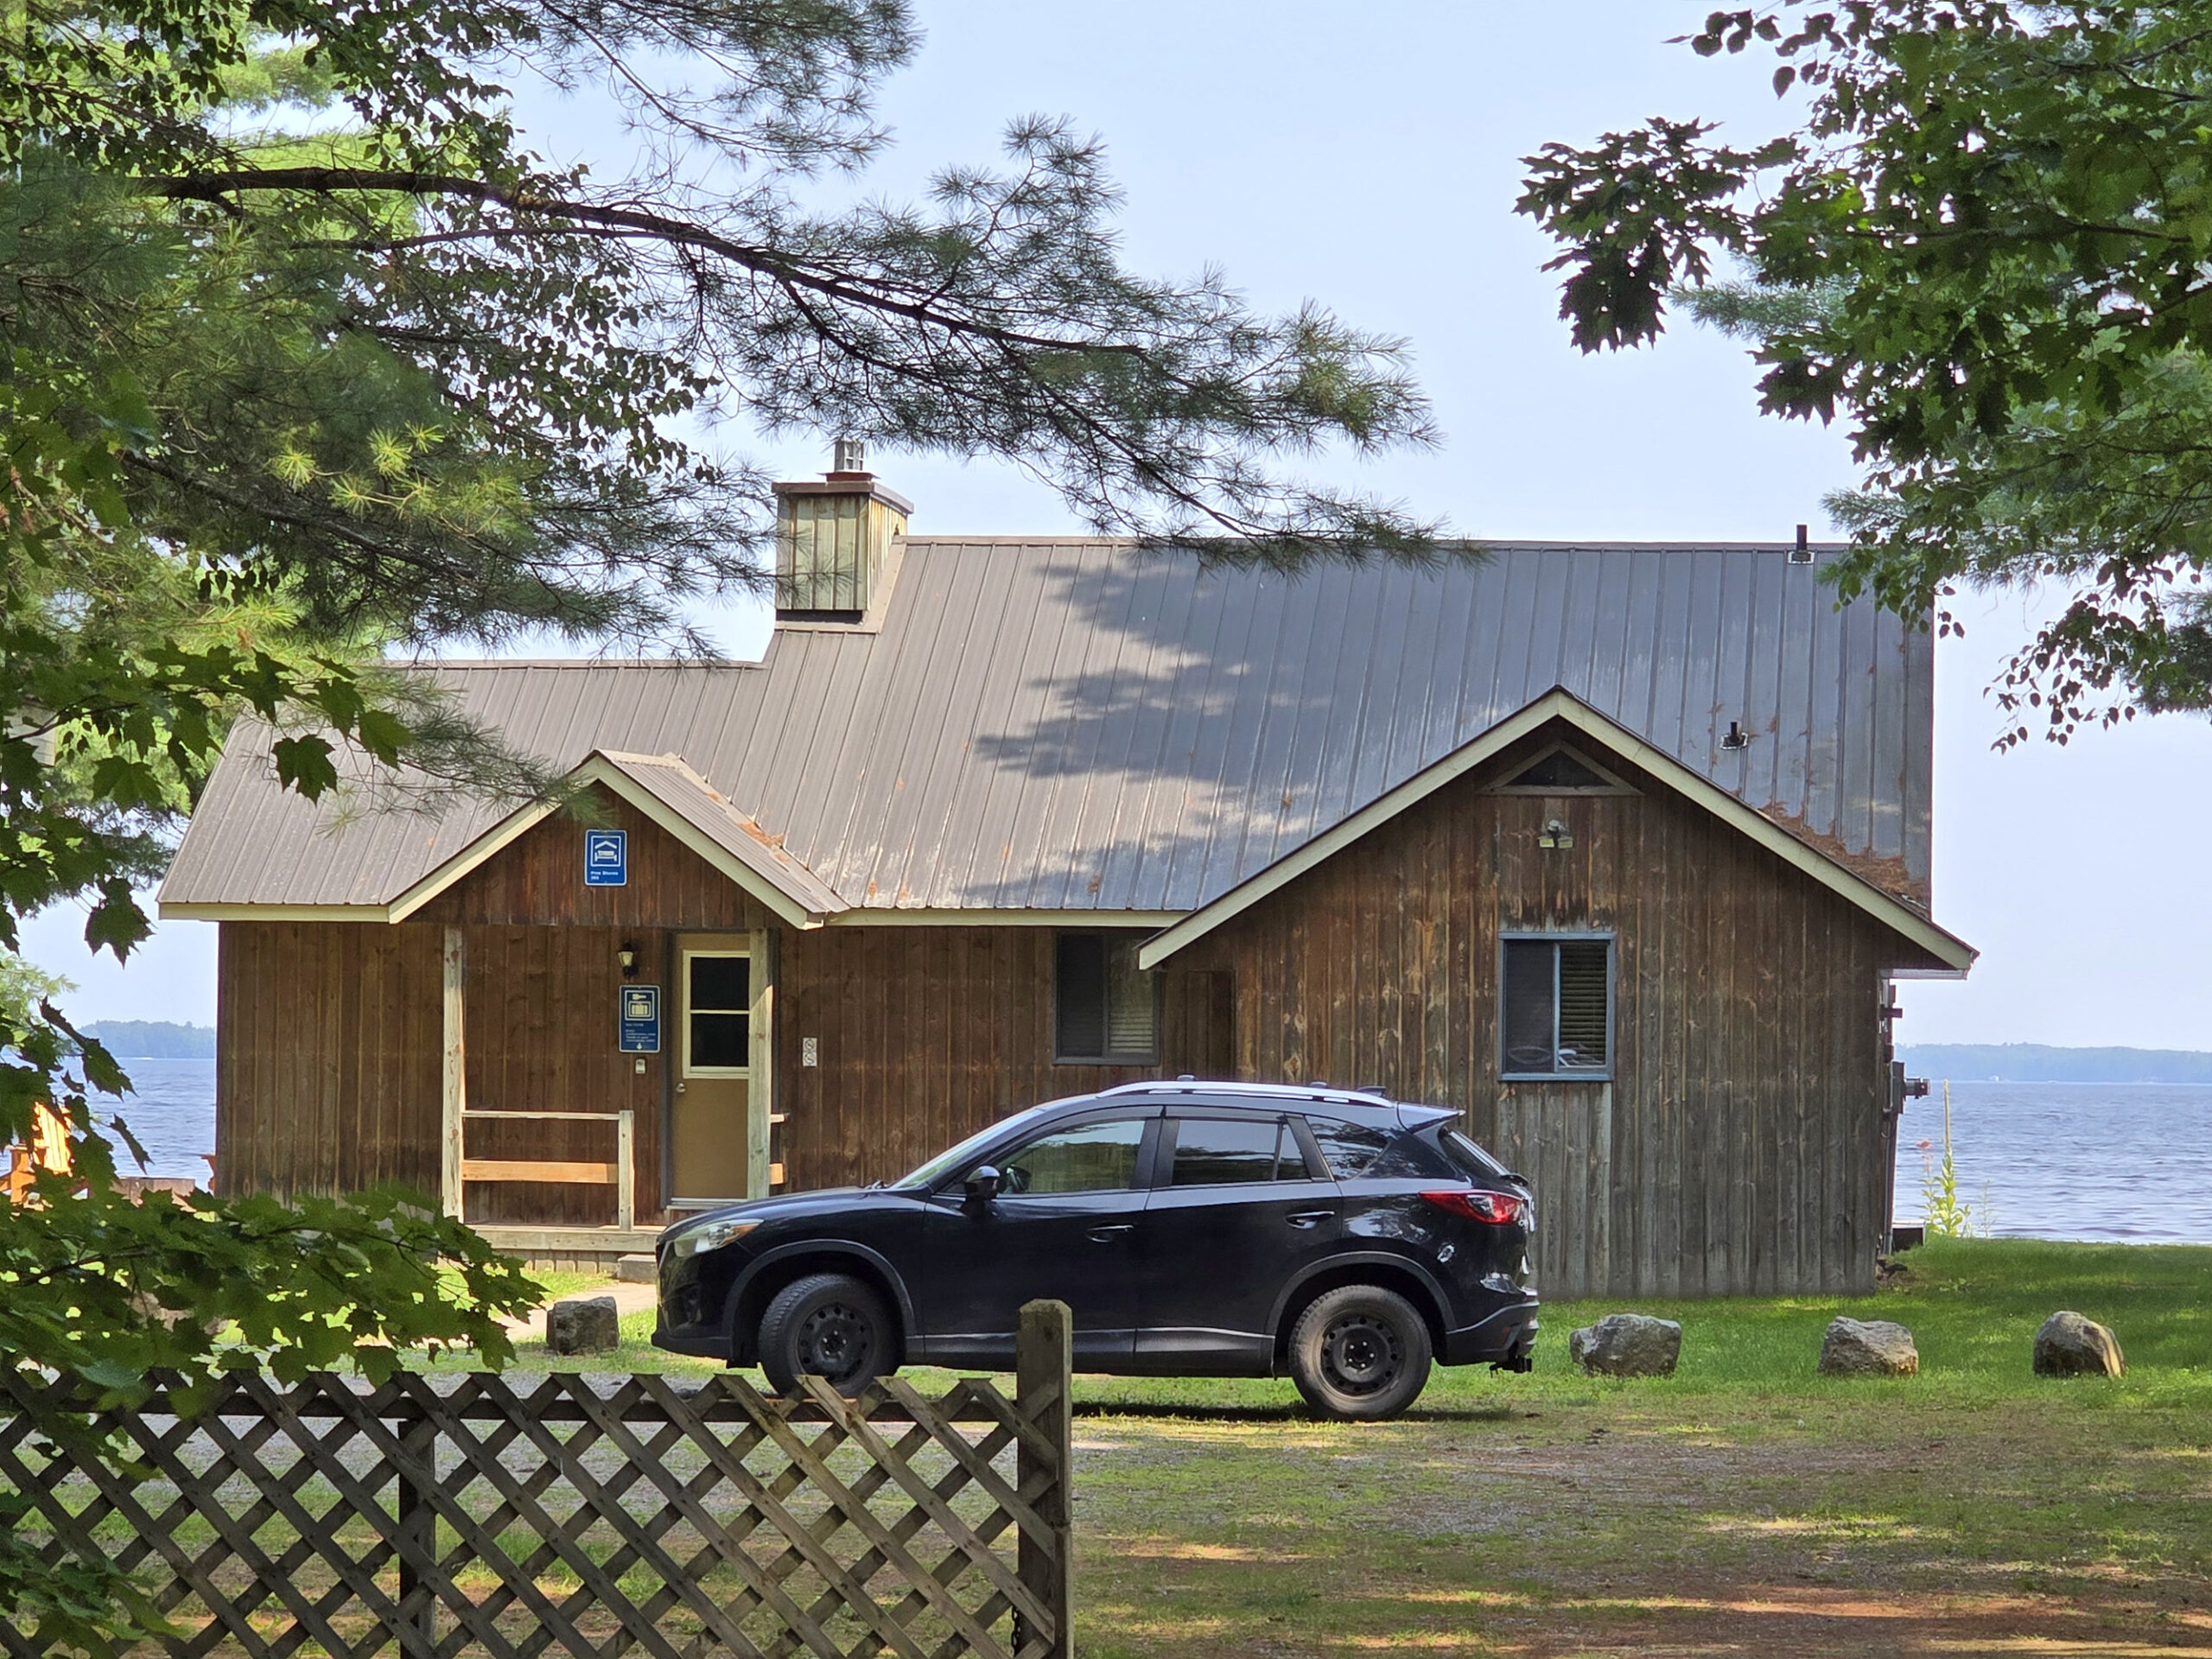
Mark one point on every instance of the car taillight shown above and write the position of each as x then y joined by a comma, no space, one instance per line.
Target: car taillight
1498,1208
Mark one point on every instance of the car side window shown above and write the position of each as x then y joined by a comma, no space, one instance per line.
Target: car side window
1221,1151
1090,1158
1350,1148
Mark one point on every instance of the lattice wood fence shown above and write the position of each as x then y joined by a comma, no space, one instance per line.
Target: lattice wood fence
447,1516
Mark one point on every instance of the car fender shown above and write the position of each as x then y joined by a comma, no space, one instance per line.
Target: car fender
823,1247
1439,1297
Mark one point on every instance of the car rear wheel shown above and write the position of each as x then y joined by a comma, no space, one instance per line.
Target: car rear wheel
829,1326
1360,1351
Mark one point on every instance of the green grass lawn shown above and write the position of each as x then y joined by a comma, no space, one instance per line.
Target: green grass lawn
1743,1506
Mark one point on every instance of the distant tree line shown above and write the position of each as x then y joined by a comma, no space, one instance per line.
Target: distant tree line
154,1039
2037,1063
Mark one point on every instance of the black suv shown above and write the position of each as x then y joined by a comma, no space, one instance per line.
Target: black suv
1195,1229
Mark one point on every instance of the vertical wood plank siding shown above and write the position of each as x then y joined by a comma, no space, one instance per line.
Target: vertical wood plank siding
927,1035
1736,1147
327,1056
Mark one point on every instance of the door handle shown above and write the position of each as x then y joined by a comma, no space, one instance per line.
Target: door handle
1112,1230
1310,1218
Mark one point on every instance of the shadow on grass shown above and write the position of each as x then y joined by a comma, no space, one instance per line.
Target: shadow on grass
1181,1411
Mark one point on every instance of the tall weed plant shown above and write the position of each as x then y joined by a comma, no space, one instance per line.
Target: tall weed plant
1948,1216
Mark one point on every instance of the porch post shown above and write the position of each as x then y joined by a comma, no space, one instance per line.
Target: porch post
760,1065
454,1094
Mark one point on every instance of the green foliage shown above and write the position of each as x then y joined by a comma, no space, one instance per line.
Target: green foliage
1984,244
1948,1216
311,363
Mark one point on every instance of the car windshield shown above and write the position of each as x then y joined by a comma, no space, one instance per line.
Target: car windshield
954,1157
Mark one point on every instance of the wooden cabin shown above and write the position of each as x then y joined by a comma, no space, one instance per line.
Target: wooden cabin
1616,848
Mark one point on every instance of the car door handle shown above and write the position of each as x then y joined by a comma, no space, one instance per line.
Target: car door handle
1111,1231
1310,1218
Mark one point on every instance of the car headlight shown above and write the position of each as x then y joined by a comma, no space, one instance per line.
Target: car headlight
711,1237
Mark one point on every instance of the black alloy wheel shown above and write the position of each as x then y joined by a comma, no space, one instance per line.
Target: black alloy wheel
1360,1352
826,1325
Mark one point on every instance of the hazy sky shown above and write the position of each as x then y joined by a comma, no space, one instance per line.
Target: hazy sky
1367,157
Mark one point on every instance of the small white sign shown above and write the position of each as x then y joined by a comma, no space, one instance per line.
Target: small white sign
809,1054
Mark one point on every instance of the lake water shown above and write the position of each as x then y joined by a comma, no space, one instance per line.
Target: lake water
2125,1162
173,1115
2129,1162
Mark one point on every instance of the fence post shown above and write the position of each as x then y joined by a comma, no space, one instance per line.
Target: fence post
1044,1362
419,1530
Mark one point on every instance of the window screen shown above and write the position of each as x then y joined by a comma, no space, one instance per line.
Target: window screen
1218,1152
1555,1014
1096,1158
718,1004
1104,1005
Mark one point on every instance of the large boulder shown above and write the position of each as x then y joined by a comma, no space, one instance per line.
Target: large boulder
1868,1348
2070,1345
1627,1344
583,1325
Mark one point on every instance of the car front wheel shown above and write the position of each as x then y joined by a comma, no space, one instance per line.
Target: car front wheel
829,1326
1360,1352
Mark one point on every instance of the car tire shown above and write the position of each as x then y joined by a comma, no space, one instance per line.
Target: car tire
1360,1352
826,1325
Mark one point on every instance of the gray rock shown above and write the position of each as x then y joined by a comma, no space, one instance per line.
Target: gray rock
1627,1344
583,1325
1868,1348
2070,1345
637,1268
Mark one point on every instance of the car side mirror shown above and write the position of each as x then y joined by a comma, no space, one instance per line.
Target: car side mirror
982,1184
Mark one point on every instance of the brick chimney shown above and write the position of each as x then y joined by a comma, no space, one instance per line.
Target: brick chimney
832,538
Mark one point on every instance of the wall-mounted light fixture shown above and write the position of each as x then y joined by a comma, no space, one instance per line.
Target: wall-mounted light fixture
627,956
1736,737
1555,835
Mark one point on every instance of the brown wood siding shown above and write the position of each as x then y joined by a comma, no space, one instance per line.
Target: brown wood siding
1738,1146
328,1034
327,1056
541,1022
927,1035
539,881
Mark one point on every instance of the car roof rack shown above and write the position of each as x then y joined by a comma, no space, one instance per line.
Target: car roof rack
1188,1085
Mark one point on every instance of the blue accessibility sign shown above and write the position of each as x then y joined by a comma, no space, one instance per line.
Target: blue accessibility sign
607,858
641,1019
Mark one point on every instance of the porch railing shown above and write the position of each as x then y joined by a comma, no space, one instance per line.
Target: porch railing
621,1174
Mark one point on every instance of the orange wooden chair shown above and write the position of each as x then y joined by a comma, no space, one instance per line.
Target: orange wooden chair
47,1153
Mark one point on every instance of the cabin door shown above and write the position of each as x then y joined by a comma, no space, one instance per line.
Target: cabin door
722,1014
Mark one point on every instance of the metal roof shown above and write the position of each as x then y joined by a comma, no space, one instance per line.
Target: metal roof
1081,725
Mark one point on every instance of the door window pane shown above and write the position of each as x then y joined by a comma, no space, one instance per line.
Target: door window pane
722,983
1215,1152
1096,1158
718,1000
721,1040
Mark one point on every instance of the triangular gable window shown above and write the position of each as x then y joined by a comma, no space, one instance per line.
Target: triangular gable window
1560,771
